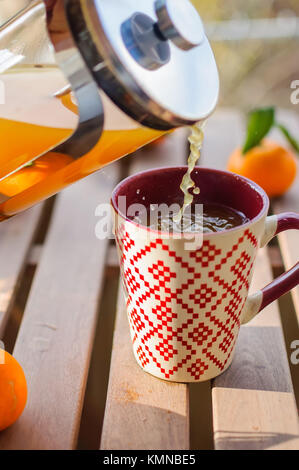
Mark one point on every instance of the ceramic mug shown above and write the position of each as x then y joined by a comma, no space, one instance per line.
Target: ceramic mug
185,307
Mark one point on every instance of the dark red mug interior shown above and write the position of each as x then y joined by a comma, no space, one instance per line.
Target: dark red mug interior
162,185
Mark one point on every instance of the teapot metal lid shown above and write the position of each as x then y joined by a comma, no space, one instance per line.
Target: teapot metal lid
152,58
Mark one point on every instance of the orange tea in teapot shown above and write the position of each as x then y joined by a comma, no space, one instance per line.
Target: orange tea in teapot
34,118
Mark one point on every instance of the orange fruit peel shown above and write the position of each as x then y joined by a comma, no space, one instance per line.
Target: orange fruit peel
269,164
13,390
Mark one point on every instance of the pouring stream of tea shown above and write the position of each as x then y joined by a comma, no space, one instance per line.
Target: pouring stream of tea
196,141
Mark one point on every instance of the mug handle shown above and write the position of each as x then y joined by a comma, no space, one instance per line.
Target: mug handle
284,283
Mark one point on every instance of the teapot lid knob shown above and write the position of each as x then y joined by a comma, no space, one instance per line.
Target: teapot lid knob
179,21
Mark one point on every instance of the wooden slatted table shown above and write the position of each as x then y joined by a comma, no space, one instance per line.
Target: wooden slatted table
58,299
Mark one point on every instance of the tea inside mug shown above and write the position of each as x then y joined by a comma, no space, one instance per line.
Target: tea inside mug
226,200
212,218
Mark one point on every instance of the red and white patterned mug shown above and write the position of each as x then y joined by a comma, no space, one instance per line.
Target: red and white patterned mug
185,307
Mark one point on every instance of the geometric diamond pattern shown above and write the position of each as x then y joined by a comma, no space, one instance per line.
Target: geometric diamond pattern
200,333
183,306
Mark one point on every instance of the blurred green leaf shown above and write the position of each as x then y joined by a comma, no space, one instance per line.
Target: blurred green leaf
260,122
294,143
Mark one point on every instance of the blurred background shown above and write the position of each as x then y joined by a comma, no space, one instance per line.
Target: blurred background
256,45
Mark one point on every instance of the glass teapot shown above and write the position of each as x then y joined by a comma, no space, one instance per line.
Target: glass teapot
85,82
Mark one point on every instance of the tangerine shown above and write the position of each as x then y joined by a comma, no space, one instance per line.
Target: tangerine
269,164
13,390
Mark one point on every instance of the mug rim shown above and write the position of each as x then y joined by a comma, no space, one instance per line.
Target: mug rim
263,212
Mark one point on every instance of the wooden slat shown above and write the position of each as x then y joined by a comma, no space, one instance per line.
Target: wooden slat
289,202
253,402
143,412
55,340
16,236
